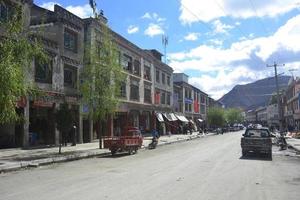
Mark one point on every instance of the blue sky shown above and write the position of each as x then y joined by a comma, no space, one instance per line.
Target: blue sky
218,43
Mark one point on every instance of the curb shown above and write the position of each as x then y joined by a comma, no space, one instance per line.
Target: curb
77,156
294,148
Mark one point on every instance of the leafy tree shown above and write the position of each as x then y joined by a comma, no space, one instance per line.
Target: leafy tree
17,51
216,117
101,76
233,115
64,123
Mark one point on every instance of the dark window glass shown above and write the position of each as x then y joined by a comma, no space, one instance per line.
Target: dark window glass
123,89
168,80
147,95
137,67
163,77
127,62
70,76
134,91
43,72
3,13
157,76
70,40
163,98
168,99
147,73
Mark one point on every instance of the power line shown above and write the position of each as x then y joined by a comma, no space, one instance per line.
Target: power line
195,15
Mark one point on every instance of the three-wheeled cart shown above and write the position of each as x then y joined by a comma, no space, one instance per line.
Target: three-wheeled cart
130,141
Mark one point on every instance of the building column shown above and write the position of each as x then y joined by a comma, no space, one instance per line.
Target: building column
110,125
25,142
80,131
57,134
91,129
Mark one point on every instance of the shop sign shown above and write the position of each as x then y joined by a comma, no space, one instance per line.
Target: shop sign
71,100
39,103
188,101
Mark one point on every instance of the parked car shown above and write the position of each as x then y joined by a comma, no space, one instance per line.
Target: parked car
257,140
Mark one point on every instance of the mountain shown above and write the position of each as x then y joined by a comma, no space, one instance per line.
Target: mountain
253,95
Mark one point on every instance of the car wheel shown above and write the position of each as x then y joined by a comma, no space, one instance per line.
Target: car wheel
244,153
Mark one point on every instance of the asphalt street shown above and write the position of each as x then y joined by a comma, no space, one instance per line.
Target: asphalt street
209,168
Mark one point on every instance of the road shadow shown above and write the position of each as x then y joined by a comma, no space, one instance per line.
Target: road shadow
117,155
256,156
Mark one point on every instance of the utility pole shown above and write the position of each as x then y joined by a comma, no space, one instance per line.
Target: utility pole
165,42
275,65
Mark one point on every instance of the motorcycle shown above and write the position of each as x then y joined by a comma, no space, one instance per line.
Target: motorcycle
154,143
280,141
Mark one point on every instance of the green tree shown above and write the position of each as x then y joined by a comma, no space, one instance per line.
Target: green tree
216,117
233,115
64,123
101,76
17,50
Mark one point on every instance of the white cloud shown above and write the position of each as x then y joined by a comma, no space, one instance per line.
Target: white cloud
192,36
153,30
244,61
132,29
216,42
153,16
205,11
220,27
83,11
146,16
49,5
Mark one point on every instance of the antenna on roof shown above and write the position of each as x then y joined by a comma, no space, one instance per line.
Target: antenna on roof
165,42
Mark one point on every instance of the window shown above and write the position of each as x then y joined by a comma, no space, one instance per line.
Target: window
147,73
70,40
157,97
3,13
134,90
163,98
202,99
169,99
70,76
202,109
168,80
123,90
147,94
43,72
127,62
163,77
157,76
137,67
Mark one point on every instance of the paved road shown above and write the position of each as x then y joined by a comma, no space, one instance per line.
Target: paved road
206,168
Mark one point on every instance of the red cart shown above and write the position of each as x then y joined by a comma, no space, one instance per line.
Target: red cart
131,141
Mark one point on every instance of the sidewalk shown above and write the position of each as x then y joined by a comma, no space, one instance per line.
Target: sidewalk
294,143
17,158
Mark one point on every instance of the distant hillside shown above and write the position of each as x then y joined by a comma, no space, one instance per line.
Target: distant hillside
254,94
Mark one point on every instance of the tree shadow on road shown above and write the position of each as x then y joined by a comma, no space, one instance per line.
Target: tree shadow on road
255,156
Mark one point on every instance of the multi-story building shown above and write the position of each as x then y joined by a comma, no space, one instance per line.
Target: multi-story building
272,115
250,117
261,115
62,34
192,102
292,107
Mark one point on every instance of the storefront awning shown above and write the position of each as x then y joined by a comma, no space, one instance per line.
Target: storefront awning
170,116
159,117
200,120
173,117
182,118
192,121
